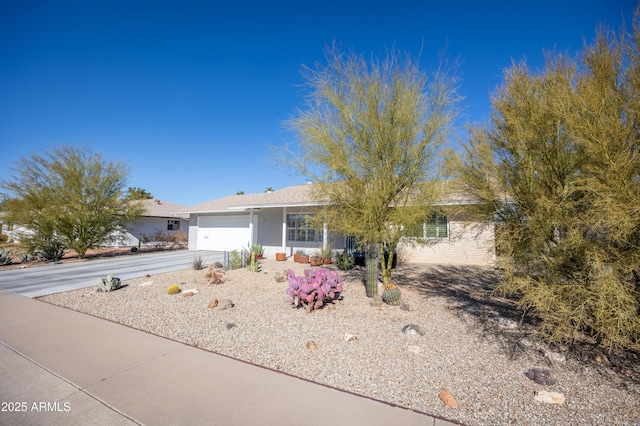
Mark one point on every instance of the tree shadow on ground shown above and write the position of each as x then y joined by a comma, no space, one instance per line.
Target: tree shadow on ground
469,289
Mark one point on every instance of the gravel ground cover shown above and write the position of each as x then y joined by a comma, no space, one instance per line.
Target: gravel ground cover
475,346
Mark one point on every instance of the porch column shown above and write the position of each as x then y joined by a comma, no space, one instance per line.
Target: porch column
284,229
250,228
325,235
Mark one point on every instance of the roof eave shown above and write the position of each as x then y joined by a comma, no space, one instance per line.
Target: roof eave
279,205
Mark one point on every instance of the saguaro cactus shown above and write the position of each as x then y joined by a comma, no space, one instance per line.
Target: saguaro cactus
371,280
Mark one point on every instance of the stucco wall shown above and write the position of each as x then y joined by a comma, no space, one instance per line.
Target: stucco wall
148,226
470,245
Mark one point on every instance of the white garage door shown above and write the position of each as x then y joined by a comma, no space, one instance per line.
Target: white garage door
223,232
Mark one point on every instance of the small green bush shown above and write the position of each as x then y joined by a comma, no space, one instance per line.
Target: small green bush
345,261
235,260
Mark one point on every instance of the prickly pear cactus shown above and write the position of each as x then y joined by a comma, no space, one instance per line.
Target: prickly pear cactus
391,294
110,283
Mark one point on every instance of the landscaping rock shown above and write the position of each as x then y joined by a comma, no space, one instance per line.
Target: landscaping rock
406,307
225,304
552,356
311,345
414,349
213,303
413,330
506,323
448,399
230,325
549,397
187,294
541,376
349,337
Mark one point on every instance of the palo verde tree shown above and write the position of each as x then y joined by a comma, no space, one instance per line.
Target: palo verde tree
68,198
136,193
559,167
367,138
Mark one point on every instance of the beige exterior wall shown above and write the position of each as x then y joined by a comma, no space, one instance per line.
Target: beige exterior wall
472,244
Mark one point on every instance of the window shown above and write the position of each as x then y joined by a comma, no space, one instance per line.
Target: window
299,229
173,225
435,227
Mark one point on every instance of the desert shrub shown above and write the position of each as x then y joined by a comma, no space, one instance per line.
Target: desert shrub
50,251
166,239
215,275
173,289
345,261
235,260
197,263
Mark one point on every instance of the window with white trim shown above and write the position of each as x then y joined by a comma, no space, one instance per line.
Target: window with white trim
299,229
437,226
173,225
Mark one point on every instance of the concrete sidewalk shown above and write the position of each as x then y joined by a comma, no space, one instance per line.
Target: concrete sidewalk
60,367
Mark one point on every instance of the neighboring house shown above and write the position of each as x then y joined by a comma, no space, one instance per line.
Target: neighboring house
278,221
158,219
9,229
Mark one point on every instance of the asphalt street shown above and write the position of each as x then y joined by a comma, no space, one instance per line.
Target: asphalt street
55,278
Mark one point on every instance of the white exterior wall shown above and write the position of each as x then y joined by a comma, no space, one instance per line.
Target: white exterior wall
193,232
225,232
148,226
474,245
14,234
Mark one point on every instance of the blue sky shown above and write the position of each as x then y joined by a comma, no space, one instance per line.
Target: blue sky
192,94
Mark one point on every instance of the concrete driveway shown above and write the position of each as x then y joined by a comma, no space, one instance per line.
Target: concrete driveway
55,278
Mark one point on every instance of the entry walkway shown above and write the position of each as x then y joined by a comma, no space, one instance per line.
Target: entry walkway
60,367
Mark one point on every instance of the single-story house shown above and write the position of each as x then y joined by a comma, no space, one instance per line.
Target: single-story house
157,220
11,230
278,221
